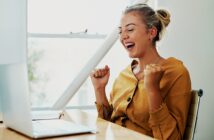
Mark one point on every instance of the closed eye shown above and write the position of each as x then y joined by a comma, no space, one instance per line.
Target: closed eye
130,30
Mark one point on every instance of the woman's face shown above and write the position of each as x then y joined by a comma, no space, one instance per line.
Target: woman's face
134,35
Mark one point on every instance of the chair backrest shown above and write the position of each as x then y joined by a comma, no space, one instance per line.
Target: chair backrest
193,114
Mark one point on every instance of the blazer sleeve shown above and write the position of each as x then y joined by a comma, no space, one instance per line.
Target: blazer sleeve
169,121
104,112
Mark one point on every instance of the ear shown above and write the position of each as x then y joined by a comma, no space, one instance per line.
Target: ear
153,32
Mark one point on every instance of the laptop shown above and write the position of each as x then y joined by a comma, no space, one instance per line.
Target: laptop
16,108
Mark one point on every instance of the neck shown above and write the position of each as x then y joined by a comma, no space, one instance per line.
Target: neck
152,58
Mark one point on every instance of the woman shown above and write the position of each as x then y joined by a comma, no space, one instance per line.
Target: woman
152,95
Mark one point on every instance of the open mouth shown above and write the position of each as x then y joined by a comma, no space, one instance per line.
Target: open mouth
129,45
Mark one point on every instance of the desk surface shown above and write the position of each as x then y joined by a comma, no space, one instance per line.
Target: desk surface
106,130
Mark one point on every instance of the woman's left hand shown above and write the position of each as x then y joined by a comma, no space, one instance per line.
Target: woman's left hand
152,76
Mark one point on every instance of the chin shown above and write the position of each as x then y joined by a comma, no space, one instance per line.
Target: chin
132,56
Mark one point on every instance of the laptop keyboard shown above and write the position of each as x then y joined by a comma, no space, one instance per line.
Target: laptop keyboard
58,127
45,114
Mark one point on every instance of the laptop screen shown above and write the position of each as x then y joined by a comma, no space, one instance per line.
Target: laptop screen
14,96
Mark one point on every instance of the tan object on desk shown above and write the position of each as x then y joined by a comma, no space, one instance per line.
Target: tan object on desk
106,130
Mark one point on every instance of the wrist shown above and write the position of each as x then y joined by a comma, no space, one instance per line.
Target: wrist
153,90
100,92
99,88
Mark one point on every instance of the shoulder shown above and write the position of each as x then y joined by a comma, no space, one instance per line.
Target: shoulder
176,77
174,67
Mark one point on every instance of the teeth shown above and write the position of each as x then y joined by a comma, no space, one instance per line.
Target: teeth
128,44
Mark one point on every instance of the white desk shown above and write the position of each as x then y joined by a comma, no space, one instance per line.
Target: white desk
106,130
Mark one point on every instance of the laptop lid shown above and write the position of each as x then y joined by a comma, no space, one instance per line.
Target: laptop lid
15,99
16,107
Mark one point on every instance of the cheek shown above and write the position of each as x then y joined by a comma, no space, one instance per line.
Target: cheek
144,38
142,44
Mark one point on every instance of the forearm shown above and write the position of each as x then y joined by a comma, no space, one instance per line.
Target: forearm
169,120
102,104
163,124
101,97
155,99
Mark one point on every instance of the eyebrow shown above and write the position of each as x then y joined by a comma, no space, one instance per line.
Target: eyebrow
127,25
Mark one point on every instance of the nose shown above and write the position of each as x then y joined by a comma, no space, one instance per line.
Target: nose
123,35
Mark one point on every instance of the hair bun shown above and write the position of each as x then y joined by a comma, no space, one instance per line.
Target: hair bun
164,16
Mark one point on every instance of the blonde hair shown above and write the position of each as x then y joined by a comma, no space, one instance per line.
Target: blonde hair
159,19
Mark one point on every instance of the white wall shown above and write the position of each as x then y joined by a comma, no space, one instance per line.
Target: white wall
190,38
12,33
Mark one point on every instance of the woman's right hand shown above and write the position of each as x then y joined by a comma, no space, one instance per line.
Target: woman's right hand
100,77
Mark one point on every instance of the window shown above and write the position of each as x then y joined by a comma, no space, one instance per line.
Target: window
62,36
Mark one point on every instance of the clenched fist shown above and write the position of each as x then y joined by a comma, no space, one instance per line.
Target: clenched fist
100,77
152,76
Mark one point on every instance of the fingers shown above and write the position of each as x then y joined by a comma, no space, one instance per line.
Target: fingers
98,73
152,68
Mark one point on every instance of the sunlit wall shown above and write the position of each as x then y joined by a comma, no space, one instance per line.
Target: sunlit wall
190,38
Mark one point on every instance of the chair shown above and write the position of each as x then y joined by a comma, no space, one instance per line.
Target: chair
193,114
